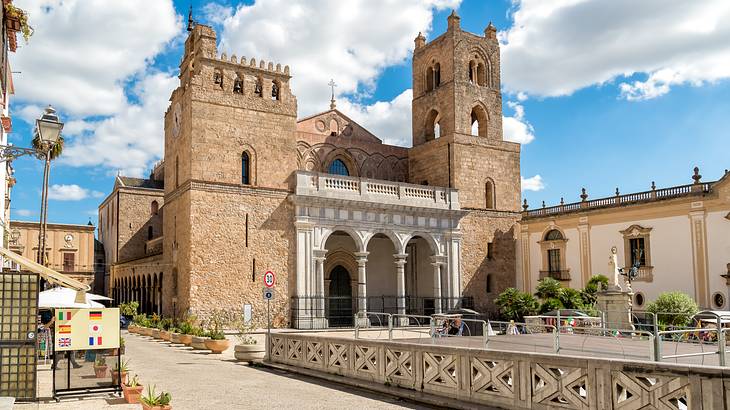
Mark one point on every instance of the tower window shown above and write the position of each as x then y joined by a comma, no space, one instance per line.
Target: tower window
432,128
238,85
258,88
275,91
154,208
177,171
437,75
429,79
489,195
245,169
218,77
481,74
150,233
479,121
337,167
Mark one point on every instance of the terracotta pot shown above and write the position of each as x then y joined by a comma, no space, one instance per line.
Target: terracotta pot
146,407
186,339
198,342
250,353
165,335
132,394
132,329
155,333
115,375
217,346
100,371
175,338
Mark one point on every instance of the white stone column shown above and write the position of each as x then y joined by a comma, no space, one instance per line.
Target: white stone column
304,272
436,263
453,246
319,302
362,260
400,262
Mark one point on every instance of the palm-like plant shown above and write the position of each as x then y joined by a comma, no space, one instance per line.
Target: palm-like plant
56,150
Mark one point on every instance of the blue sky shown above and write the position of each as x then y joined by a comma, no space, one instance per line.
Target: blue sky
608,99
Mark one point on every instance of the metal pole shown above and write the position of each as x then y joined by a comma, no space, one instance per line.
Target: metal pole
390,327
268,331
720,341
41,231
45,205
657,339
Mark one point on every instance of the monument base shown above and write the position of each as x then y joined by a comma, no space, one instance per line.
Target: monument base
616,307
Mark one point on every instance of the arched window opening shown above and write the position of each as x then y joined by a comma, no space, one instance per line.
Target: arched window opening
436,75
429,79
154,208
245,169
481,74
218,77
337,167
490,285
433,128
479,121
258,88
150,233
472,71
489,195
554,235
177,173
238,85
275,91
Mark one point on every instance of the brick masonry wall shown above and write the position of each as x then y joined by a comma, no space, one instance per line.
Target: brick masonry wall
135,217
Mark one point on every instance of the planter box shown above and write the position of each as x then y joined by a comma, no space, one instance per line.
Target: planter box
146,407
175,338
198,342
165,335
13,24
217,346
100,371
155,333
187,340
132,394
250,353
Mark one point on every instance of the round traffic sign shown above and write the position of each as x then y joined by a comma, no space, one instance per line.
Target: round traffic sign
269,279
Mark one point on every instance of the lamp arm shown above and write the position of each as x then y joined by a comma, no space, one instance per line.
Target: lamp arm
10,152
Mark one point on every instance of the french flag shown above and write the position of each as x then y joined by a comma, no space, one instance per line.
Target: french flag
95,341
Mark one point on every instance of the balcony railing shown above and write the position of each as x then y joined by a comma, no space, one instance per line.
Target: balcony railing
555,274
638,197
378,191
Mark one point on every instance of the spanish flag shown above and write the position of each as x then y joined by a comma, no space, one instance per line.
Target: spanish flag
64,329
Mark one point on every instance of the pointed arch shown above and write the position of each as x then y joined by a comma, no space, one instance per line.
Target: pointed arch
429,79
432,129
479,121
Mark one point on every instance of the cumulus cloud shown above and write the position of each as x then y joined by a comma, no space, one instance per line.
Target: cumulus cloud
83,58
555,48
388,120
71,192
24,212
517,128
323,39
533,183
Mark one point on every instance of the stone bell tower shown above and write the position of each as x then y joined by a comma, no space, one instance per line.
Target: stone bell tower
457,119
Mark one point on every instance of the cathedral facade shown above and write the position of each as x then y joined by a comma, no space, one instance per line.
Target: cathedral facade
348,224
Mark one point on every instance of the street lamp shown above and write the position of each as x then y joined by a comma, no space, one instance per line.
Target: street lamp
48,130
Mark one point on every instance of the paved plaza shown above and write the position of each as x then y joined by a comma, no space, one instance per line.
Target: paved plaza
199,380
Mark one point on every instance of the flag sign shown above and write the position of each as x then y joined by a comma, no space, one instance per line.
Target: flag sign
86,329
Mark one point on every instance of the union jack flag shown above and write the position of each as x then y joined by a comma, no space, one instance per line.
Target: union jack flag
64,342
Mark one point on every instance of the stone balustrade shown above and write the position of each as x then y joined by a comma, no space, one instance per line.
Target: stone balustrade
375,191
463,377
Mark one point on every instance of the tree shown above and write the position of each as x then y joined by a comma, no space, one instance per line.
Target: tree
548,288
515,305
673,309
595,284
55,151
551,304
571,298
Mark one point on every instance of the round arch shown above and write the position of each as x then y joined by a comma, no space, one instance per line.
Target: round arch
356,237
432,243
344,156
551,228
397,244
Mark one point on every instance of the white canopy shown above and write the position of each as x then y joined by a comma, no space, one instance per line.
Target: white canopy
66,298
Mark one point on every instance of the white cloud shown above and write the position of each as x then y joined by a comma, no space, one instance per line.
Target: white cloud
350,41
533,183
81,58
388,120
555,48
517,128
71,192
25,212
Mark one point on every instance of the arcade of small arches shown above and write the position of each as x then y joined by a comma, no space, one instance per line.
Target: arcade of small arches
145,289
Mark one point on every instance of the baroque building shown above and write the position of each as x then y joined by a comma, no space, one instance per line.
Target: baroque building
347,223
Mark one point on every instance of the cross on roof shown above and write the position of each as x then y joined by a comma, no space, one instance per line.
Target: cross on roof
332,100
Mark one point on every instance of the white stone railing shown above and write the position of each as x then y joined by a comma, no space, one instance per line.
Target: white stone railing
376,191
515,380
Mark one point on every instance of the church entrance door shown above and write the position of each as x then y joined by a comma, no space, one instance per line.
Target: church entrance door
340,298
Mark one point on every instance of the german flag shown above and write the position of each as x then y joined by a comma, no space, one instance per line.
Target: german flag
64,329
95,315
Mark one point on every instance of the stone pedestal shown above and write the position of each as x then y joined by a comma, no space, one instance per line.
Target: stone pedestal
616,308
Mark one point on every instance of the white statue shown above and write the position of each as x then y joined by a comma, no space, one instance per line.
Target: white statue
615,278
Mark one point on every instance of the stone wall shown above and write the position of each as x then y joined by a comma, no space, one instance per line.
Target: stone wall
135,217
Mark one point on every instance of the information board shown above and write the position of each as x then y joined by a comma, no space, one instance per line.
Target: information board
86,329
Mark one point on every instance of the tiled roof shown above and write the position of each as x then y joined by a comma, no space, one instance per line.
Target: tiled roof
140,183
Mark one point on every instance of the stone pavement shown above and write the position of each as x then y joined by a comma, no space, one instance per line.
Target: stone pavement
199,380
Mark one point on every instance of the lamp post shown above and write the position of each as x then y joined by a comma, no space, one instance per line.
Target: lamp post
47,129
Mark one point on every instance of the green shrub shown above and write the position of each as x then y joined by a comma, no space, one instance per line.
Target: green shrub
129,309
550,305
570,298
548,288
673,309
515,305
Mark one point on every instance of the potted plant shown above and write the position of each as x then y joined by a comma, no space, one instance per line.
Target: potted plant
132,390
165,326
154,401
247,350
198,339
100,366
187,330
121,369
154,326
217,342
175,335
17,20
